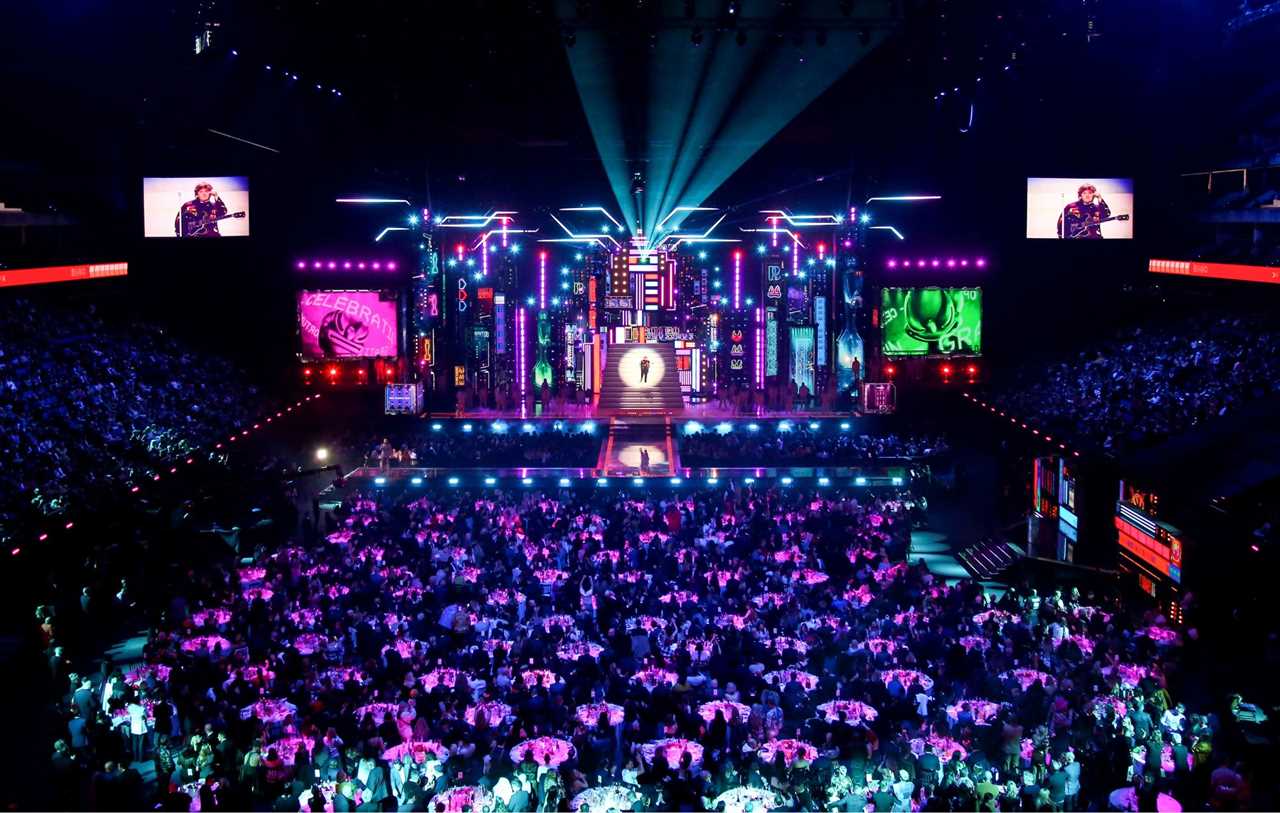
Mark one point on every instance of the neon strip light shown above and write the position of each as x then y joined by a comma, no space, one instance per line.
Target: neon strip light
484,259
1136,518
674,211
372,200
476,221
580,237
383,234
802,220
775,232
245,141
599,209
773,227
484,238
13,277
520,352
905,198
737,280
702,236
795,257
542,280
896,233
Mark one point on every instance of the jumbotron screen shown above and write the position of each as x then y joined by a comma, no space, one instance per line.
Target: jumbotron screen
196,208
346,324
931,321
1080,208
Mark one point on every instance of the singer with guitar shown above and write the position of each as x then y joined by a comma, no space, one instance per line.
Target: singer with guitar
199,217
1083,219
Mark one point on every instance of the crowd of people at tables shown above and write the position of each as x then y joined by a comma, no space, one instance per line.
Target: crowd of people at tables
740,648
482,447
91,406
1150,383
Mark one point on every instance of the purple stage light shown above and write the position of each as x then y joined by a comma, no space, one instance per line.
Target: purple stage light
302,264
332,265
982,262
316,264
360,265
951,263
391,266
935,263
919,263
377,266
893,263
346,266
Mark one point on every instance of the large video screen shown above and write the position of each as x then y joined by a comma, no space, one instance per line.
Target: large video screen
346,324
931,321
1080,208
196,208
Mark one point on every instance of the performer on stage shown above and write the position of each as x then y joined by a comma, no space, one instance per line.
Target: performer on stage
203,211
644,370
1081,220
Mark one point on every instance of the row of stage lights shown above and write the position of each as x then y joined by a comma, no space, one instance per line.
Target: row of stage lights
935,262
946,371
244,432
346,265
1000,413
292,77
566,482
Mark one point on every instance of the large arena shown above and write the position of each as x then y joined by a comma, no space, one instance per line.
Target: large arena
642,405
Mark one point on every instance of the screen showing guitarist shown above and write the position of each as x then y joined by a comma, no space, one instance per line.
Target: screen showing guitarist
199,217
1082,220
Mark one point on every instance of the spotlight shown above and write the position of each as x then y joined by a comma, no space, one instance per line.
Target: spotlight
564,482
823,481
435,427
713,480
322,454
748,480
786,481
844,427
601,481
379,481
527,480
466,427
897,481
675,481
453,481
859,481
639,481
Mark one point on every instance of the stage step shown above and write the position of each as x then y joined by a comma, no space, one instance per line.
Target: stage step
625,392
989,559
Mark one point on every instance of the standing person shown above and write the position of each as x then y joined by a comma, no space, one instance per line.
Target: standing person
1082,220
137,727
1072,769
199,217
644,370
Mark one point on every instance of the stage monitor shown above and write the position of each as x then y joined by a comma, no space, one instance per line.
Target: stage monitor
1080,208
198,208
931,321
346,324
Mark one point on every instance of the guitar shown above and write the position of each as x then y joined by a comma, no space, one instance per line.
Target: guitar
1084,229
201,227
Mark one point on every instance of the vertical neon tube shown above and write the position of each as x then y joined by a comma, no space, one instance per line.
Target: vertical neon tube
773,224
542,280
737,280
484,257
759,376
795,255
504,231
459,250
520,354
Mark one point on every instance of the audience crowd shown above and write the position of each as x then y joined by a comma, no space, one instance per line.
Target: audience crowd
1150,383
481,447
90,406
799,445
608,649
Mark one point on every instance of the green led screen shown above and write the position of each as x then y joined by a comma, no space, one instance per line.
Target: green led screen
931,321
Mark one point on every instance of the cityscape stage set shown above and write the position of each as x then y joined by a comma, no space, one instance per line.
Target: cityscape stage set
534,322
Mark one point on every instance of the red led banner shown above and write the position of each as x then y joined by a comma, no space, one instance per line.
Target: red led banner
1234,271
60,273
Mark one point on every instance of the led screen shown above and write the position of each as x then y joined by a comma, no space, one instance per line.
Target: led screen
1080,208
346,324
931,321
197,208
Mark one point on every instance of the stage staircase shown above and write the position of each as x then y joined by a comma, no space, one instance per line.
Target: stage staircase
989,559
660,397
